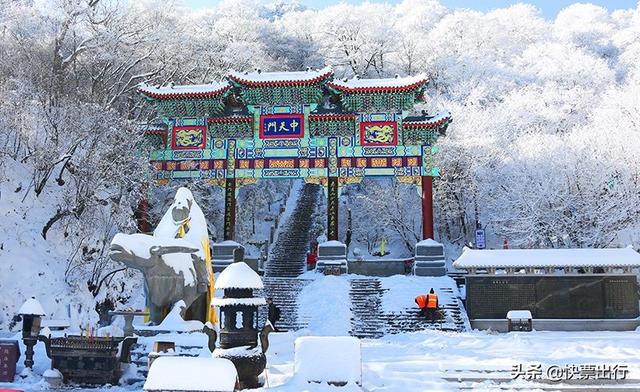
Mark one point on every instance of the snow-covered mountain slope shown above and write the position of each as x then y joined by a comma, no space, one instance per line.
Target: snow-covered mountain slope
29,264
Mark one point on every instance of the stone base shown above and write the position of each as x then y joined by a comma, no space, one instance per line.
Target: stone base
501,325
332,268
429,269
384,267
248,367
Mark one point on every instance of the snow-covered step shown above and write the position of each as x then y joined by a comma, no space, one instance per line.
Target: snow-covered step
284,292
370,320
366,301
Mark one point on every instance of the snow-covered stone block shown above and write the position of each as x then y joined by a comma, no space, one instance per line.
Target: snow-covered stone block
519,315
519,320
222,254
191,374
429,259
330,359
332,258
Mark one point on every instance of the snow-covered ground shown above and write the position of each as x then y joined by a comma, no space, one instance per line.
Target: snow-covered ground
423,361
419,361
30,265
325,303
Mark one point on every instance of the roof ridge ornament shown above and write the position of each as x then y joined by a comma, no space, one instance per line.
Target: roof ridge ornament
301,78
174,91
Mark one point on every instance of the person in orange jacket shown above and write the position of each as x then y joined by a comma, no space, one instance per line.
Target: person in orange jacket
428,305
421,301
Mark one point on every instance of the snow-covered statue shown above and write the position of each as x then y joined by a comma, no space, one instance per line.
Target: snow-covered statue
175,260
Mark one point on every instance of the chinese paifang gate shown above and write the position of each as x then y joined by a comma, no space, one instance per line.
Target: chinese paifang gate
296,125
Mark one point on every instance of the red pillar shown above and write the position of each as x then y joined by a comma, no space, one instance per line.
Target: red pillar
427,207
142,216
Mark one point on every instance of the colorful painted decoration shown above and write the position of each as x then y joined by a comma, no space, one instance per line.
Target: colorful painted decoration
383,133
282,126
293,125
189,137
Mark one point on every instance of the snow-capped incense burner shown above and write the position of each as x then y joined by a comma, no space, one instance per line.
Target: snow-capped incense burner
239,322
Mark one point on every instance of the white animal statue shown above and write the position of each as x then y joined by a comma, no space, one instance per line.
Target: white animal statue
172,260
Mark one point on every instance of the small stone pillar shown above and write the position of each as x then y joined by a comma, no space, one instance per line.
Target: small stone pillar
332,258
239,315
429,259
224,254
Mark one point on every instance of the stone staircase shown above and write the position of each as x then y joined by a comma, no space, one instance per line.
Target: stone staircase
370,321
287,258
366,306
284,292
287,261
409,320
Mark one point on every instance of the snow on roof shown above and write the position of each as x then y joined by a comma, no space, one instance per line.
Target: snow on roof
328,358
191,374
263,79
502,258
332,243
238,301
31,306
151,128
428,122
519,315
184,91
239,276
397,84
428,242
